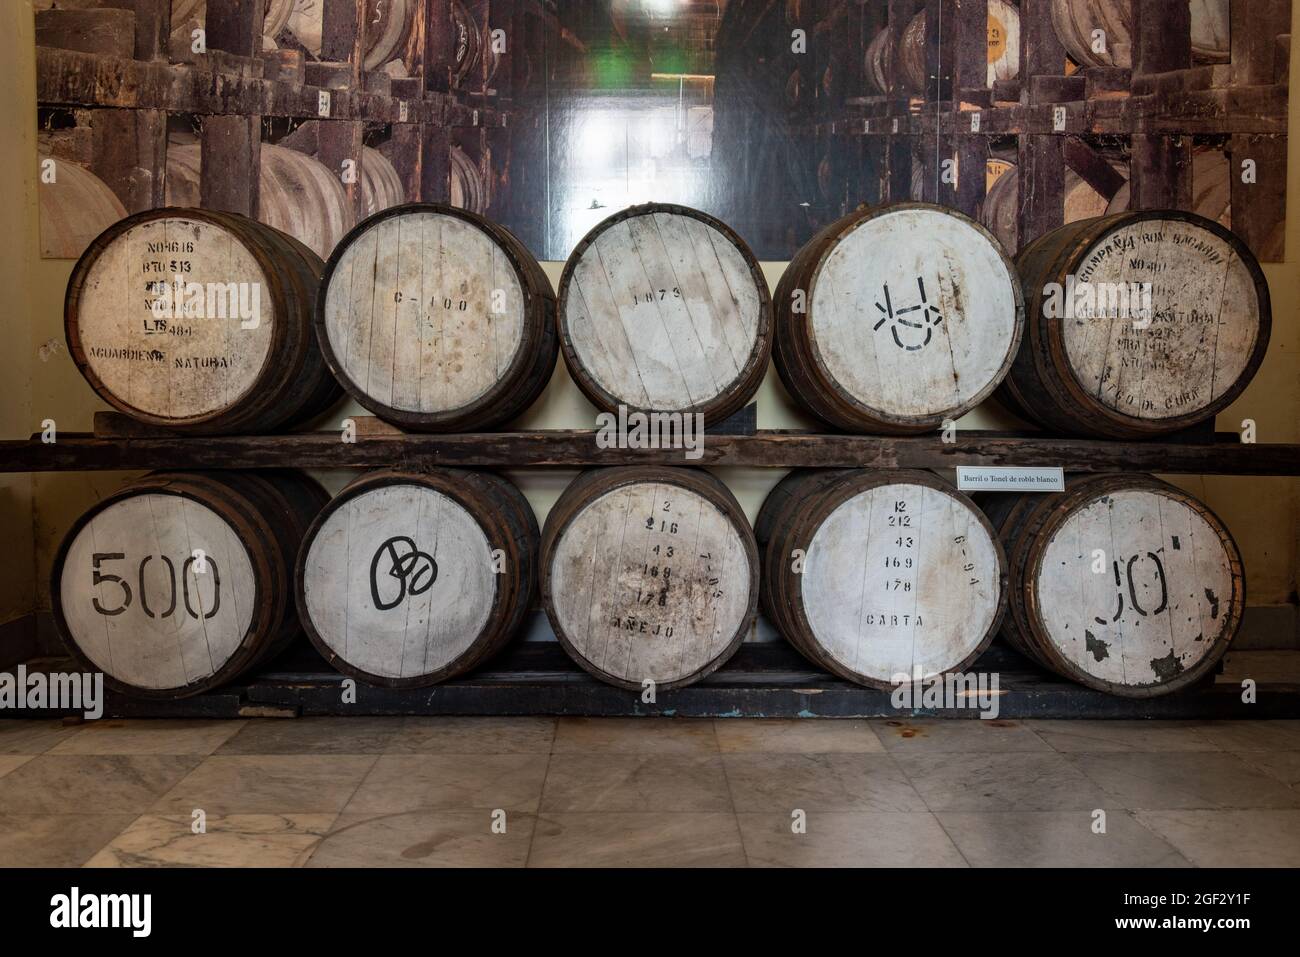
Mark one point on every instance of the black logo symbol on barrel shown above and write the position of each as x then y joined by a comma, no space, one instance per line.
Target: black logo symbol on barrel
415,571
893,314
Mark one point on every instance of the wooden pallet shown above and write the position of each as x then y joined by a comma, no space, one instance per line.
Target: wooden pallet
766,680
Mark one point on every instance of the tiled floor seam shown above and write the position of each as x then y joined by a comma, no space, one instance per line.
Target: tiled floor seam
342,807
731,795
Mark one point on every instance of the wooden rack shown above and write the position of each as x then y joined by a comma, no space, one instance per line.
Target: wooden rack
1154,111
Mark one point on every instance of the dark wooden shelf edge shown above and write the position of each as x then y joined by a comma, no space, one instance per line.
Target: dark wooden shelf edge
577,449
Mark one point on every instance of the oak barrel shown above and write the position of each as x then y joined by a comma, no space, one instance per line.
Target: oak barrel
381,186
664,308
388,27
880,576
181,581
1003,26
467,187
199,321
1123,583
1122,374
297,194
1000,212
895,319
649,573
1076,22
75,208
436,319
407,579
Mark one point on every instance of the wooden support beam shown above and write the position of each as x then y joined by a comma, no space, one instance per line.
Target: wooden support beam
232,153
235,26
1259,207
129,154
153,28
1160,172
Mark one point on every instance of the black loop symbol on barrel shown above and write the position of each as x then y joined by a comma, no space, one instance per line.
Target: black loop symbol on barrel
415,571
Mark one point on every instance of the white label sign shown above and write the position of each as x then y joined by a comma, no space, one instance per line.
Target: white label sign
1004,479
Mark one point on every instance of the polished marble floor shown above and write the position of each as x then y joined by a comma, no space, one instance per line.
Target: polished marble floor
544,792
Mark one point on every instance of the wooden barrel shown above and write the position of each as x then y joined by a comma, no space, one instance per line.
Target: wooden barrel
231,351
181,581
468,186
388,27
879,62
664,308
190,15
1105,370
894,319
880,576
1075,22
649,574
1211,188
1121,582
468,40
1003,26
437,319
408,579
75,208
297,194
381,186
1002,202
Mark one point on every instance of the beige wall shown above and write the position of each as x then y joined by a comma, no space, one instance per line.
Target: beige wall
1262,513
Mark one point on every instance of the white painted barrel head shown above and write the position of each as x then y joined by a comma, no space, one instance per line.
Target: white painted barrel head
901,581
398,583
1165,602
424,312
157,591
1199,337
649,581
175,318
662,308
915,313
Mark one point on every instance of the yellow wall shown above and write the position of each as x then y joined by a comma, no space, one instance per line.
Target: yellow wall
1262,513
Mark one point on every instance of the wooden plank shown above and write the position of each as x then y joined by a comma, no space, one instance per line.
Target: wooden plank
570,449
105,32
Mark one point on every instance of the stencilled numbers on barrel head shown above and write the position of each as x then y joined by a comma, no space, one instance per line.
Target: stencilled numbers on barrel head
143,613
650,582
1159,606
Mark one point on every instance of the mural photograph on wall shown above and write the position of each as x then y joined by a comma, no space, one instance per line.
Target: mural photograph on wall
777,116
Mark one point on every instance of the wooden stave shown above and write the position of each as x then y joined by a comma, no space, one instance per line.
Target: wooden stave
790,518
594,483
733,398
508,523
267,509
276,398
801,371
1032,525
1040,383
518,388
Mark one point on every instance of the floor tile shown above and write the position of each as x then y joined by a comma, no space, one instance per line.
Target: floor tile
662,839
1283,766
267,784
635,782
1257,838
91,784
823,782
848,839
21,736
1207,780
148,736
635,735
1086,736
237,840
321,735
1252,735
429,838
795,736
1057,839
473,735
951,734
999,782
56,840
411,782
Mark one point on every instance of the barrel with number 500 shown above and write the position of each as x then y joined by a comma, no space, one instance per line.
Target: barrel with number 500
181,581
407,579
